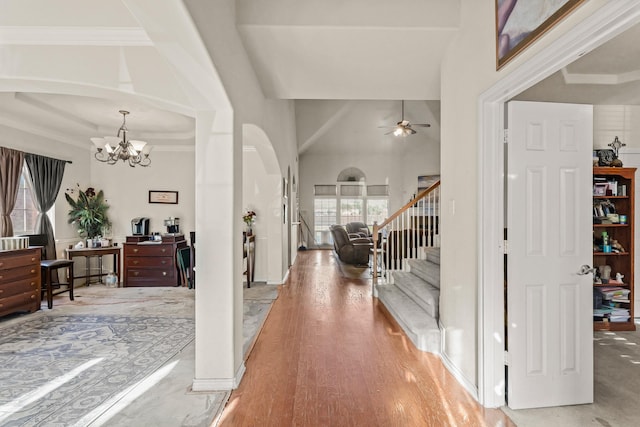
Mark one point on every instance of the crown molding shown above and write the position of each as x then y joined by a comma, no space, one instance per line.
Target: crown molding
74,36
600,79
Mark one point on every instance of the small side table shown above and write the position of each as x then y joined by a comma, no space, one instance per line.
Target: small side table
88,253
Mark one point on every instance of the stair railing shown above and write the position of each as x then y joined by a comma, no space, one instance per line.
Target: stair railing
406,233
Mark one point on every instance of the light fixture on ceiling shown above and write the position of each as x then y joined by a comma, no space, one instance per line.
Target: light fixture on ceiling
403,127
114,148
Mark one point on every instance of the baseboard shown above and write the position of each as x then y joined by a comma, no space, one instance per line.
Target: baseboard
215,384
471,388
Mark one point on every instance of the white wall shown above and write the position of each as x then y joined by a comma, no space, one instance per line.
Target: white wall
126,190
399,170
262,194
468,70
610,121
216,24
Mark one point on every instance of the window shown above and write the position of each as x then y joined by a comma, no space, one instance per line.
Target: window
351,210
377,210
344,203
324,214
24,213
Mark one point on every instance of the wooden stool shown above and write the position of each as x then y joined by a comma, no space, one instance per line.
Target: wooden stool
46,267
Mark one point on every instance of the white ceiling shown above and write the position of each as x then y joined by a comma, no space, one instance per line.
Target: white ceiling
324,54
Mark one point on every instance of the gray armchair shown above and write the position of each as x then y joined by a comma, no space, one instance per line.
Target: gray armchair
359,228
350,250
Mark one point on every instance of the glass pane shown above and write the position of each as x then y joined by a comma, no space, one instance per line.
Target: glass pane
24,213
377,210
324,215
351,210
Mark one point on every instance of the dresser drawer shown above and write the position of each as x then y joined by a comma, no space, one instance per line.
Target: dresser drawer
11,259
25,301
31,284
149,250
151,273
12,274
141,261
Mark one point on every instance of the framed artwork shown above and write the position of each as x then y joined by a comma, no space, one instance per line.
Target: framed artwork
426,181
169,197
520,22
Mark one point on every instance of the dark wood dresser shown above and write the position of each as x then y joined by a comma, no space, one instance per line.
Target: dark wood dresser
149,263
20,280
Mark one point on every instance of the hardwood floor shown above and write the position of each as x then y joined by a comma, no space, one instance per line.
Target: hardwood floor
328,356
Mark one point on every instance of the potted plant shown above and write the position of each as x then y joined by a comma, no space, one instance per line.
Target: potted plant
89,212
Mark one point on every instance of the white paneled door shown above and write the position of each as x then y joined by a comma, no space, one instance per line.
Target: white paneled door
549,305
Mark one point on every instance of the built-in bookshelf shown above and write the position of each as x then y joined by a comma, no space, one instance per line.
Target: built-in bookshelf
613,236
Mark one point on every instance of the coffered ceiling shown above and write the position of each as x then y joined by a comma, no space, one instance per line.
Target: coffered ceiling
335,57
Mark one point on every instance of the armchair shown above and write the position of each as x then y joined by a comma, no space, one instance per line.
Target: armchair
359,228
350,250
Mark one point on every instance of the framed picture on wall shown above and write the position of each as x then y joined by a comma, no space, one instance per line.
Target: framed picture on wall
426,181
520,22
168,197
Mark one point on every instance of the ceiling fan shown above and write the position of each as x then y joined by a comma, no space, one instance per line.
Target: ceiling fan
404,127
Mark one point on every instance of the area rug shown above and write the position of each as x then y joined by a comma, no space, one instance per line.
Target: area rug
257,303
109,354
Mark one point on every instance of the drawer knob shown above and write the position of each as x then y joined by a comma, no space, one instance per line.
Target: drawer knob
1,264
33,271
33,283
164,250
136,262
164,273
135,250
163,262
33,258
135,273
1,291
33,297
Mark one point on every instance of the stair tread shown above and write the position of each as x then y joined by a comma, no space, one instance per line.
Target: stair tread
412,314
423,294
433,254
426,270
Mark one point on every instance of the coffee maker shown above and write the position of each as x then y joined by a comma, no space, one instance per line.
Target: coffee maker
140,226
173,225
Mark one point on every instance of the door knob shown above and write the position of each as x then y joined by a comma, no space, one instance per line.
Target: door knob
586,269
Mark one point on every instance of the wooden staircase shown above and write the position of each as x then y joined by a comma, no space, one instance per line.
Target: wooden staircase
406,266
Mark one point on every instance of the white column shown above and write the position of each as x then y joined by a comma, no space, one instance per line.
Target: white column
218,314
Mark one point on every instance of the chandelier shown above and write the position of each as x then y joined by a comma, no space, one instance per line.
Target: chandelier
114,148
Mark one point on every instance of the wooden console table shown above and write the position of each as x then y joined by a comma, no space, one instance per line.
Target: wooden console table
88,253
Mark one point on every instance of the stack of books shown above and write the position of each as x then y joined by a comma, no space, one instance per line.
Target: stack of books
611,308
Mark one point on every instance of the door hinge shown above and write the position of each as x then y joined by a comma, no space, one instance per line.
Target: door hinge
505,136
506,358
505,247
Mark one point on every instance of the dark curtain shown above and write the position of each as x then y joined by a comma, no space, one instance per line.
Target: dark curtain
45,176
11,162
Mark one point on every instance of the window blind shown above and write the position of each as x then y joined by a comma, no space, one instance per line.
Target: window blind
377,190
351,190
324,190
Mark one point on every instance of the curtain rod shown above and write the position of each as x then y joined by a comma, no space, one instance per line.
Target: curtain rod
62,160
